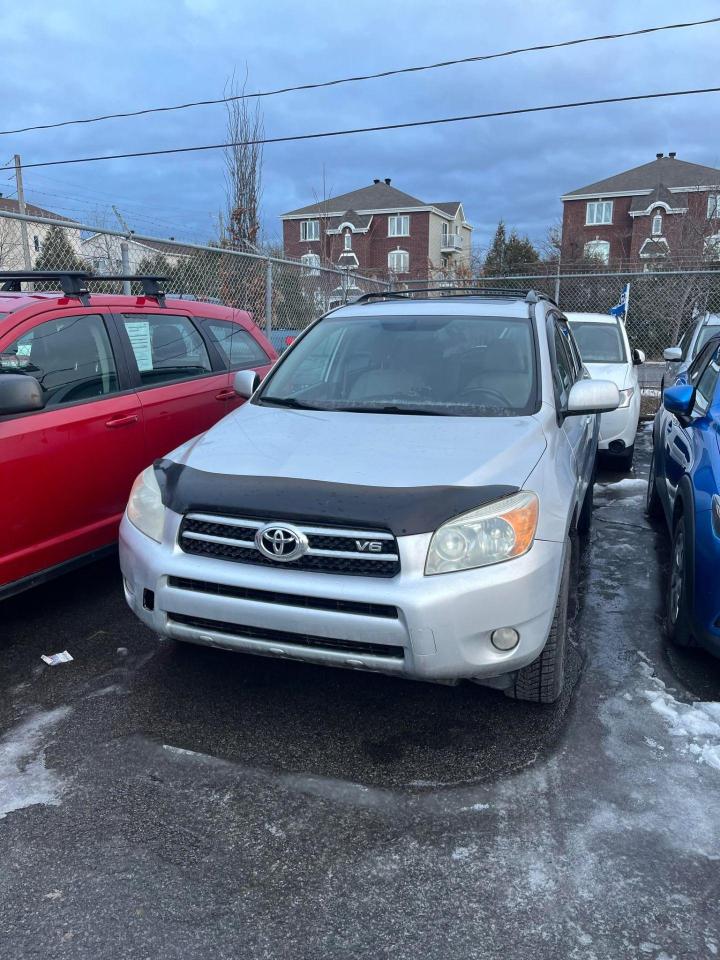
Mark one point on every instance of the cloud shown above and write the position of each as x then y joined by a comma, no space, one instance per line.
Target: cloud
138,54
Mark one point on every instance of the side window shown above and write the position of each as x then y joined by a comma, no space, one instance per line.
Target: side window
563,372
705,390
166,347
697,367
71,357
237,346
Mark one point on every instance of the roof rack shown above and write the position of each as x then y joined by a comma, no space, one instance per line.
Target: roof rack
530,296
74,283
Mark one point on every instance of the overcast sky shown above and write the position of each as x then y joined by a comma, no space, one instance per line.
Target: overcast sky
75,59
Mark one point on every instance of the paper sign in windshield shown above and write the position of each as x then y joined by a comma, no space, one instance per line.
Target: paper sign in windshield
139,333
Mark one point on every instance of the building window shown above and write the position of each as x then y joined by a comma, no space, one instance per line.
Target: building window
36,243
348,241
398,261
598,250
311,262
310,230
713,206
657,225
599,211
399,225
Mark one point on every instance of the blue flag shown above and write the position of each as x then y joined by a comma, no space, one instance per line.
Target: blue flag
621,307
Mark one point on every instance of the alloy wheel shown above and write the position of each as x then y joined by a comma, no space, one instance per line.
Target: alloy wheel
676,575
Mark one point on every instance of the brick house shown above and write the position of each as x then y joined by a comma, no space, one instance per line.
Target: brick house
662,210
380,230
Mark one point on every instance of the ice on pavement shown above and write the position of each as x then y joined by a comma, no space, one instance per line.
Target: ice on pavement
24,778
696,725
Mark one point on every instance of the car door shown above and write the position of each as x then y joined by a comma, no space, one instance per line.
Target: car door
680,441
180,378
241,350
66,469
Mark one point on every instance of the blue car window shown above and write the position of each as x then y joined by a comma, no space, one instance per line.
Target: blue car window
705,390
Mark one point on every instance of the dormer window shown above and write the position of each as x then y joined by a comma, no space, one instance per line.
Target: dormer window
598,211
348,241
713,206
657,225
309,229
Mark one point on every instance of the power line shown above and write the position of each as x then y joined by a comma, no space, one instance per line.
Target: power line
386,126
367,76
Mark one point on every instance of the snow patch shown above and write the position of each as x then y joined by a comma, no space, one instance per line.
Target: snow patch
24,779
695,725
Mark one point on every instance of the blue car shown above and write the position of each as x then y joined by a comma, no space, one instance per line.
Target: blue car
683,486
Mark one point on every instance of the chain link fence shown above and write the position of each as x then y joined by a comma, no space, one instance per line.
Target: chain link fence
281,295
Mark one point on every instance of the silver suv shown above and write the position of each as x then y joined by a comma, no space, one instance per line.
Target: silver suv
399,495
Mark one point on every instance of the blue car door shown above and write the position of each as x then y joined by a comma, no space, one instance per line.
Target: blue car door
682,444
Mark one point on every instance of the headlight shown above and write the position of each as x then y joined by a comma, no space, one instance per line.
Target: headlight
625,397
145,508
491,534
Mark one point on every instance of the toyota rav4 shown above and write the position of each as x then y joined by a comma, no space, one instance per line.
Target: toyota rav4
399,495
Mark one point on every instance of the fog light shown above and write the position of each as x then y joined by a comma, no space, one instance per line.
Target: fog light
506,638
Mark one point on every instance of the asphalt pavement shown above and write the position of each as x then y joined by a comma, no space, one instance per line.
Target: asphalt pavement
160,801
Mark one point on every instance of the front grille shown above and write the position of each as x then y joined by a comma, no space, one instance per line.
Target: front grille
331,549
286,599
288,639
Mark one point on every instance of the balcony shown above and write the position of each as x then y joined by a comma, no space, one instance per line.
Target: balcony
450,242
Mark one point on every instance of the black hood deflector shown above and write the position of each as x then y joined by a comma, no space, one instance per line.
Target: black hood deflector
402,510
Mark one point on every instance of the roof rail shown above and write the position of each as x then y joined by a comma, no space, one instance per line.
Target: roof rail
530,296
74,283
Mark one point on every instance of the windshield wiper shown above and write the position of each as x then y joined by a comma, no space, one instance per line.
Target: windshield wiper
291,402
392,408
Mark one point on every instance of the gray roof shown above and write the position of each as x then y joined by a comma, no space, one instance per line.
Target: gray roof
359,220
7,205
668,171
660,194
450,206
378,196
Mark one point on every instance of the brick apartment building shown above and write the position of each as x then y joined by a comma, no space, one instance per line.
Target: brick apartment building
662,210
380,230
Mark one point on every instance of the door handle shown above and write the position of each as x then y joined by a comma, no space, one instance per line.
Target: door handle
226,394
124,420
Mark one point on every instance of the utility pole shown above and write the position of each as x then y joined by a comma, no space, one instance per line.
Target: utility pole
21,204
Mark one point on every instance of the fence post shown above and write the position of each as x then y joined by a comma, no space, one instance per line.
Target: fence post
557,284
125,257
268,298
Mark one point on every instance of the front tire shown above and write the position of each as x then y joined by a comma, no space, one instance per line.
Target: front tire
678,606
542,680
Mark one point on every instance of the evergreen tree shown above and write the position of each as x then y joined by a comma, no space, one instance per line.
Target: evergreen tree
494,265
519,254
56,253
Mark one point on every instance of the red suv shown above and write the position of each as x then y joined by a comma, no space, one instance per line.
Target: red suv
93,388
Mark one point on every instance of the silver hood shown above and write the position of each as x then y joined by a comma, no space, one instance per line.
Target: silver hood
382,450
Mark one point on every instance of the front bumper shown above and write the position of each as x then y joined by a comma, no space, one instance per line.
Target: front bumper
440,631
620,424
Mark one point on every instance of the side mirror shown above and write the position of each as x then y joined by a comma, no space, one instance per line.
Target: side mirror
679,400
638,357
20,393
673,354
246,383
592,396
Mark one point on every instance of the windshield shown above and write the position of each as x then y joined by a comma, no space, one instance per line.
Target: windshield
709,330
599,342
444,366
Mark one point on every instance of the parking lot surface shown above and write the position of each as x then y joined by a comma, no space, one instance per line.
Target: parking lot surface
160,801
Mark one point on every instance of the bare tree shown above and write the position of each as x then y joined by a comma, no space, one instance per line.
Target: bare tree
240,219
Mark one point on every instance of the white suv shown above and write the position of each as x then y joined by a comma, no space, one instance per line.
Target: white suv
399,495
605,350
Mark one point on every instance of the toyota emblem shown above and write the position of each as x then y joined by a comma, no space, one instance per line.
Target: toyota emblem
280,542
